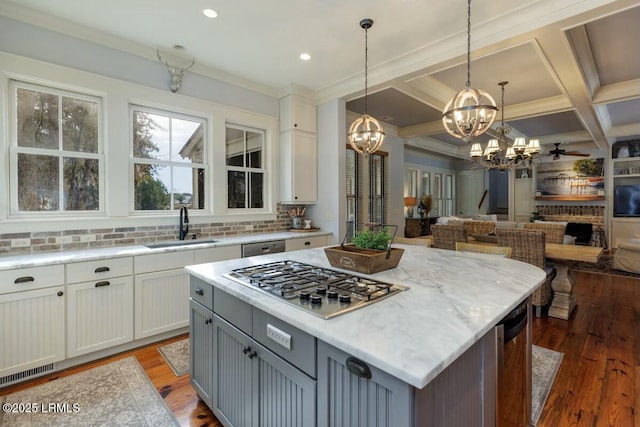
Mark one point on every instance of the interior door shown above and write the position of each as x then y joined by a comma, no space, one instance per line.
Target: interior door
470,189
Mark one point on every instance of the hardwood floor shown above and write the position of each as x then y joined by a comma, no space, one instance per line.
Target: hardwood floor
598,383
599,379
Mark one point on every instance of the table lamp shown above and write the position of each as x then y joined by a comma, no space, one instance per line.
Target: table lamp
409,202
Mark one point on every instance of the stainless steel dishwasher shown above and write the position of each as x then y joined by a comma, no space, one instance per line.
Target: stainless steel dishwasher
513,403
262,248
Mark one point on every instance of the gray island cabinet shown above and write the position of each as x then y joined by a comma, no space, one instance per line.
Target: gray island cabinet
422,357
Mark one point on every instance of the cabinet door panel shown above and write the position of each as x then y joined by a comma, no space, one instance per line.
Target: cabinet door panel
346,400
99,315
232,376
286,396
162,302
201,350
31,329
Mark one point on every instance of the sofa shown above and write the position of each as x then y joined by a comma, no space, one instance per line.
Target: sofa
626,257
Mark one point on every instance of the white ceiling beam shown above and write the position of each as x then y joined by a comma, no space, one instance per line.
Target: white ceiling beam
617,92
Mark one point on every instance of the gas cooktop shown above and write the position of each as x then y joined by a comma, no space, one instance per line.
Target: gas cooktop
321,291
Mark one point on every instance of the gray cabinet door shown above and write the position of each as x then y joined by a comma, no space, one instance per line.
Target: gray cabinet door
201,348
348,400
286,396
233,376
254,387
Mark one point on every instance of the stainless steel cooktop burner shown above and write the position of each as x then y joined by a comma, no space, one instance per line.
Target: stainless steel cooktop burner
318,290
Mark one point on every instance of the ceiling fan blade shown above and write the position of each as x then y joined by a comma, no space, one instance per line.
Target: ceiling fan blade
576,153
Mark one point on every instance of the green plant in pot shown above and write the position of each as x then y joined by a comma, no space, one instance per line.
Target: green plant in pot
368,239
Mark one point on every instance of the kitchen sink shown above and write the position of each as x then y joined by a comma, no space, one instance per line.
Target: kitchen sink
174,243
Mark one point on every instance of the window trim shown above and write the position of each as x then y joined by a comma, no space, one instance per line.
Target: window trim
13,84
263,170
208,204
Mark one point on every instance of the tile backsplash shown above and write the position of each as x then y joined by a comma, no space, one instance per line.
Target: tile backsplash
23,243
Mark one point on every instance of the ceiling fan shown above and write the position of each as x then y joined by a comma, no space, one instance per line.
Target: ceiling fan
556,152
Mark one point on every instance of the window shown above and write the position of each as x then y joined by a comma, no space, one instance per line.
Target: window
374,207
245,167
168,160
56,153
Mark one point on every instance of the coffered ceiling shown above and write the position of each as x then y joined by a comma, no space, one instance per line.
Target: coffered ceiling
573,66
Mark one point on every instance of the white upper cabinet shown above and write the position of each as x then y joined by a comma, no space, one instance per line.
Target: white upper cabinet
297,113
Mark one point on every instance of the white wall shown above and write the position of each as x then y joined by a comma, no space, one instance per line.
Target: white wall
45,57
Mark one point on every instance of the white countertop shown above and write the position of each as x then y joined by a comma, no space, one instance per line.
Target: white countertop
452,301
48,258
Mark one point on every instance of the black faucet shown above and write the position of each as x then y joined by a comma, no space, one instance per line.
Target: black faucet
184,222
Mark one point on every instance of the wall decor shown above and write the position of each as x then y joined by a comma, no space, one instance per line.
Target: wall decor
570,180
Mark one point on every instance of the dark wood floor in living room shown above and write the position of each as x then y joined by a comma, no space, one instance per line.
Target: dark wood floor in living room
598,383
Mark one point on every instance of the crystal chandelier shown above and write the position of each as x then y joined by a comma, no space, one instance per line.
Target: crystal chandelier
365,134
472,111
499,154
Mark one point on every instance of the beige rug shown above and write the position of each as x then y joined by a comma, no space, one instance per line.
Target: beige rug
177,356
544,367
112,395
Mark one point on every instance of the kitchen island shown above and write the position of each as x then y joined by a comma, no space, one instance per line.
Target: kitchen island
420,342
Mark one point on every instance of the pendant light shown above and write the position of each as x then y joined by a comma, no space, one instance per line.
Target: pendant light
472,111
499,154
365,134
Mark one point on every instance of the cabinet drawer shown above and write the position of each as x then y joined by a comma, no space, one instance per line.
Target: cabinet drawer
305,243
163,261
233,310
87,271
29,278
292,344
220,253
201,292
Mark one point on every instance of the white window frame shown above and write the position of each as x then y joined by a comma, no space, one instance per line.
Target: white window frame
266,185
15,150
169,163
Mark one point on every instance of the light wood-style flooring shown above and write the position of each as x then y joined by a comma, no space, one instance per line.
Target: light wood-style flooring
598,383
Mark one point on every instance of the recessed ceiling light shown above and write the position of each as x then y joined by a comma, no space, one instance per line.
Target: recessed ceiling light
305,56
210,13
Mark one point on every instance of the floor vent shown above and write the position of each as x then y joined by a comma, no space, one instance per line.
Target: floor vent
20,376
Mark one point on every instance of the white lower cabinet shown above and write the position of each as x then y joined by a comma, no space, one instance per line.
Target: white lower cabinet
254,387
161,302
32,332
99,315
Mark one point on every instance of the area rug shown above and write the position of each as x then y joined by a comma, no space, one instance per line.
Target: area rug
116,394
544,367
177,356
604,266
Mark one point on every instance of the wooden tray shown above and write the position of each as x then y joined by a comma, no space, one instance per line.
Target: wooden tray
303,230
366,261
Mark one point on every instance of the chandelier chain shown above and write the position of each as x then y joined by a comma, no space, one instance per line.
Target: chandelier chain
366,67
469,43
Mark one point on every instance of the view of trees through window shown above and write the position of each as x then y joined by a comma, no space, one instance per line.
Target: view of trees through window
57,150
245,169
168,160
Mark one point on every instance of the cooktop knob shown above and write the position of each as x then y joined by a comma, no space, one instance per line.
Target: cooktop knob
345,298
304,295
321,290
332,293
316,299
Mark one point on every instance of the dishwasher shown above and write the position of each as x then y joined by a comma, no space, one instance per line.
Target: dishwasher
513,400
262,248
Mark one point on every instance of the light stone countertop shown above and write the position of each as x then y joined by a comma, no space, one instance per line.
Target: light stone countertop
453,300
61,257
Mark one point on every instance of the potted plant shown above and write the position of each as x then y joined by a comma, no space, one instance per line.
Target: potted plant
369,252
